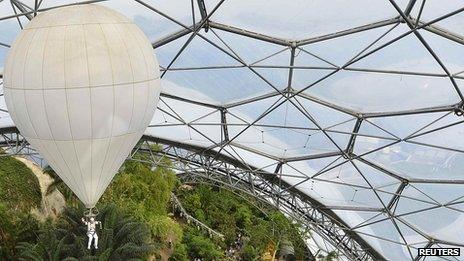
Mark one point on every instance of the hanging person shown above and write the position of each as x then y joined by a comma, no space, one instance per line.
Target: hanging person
92,232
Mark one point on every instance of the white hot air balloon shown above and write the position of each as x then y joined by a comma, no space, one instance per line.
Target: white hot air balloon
81,84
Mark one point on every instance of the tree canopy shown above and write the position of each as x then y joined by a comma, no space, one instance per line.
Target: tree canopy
19,193
137,223
224,211
122,238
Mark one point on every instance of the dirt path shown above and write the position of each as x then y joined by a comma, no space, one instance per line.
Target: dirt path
53,203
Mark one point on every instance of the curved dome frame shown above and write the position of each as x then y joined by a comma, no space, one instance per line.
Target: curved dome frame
382,158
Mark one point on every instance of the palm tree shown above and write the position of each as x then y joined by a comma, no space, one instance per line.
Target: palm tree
122,238
48,247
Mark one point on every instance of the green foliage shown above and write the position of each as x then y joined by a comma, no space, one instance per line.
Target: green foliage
230,214
134,212
141,193
19,188
15,227
140,190
145,194
122,238
19,193
251,252
199,246
48,246
180,253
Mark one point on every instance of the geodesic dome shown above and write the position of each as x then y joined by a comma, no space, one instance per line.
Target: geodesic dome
347,115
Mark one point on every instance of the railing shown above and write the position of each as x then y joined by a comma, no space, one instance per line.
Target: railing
190,219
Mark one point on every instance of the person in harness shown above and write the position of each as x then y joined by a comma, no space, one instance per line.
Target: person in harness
92,232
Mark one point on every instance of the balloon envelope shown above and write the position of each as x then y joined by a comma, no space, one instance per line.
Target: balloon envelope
81,84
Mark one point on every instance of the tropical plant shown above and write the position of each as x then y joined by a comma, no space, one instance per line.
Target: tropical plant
19,193
15,227
122,238
139,191
199,246
19,187
46,247
229,214
179,253
144,193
